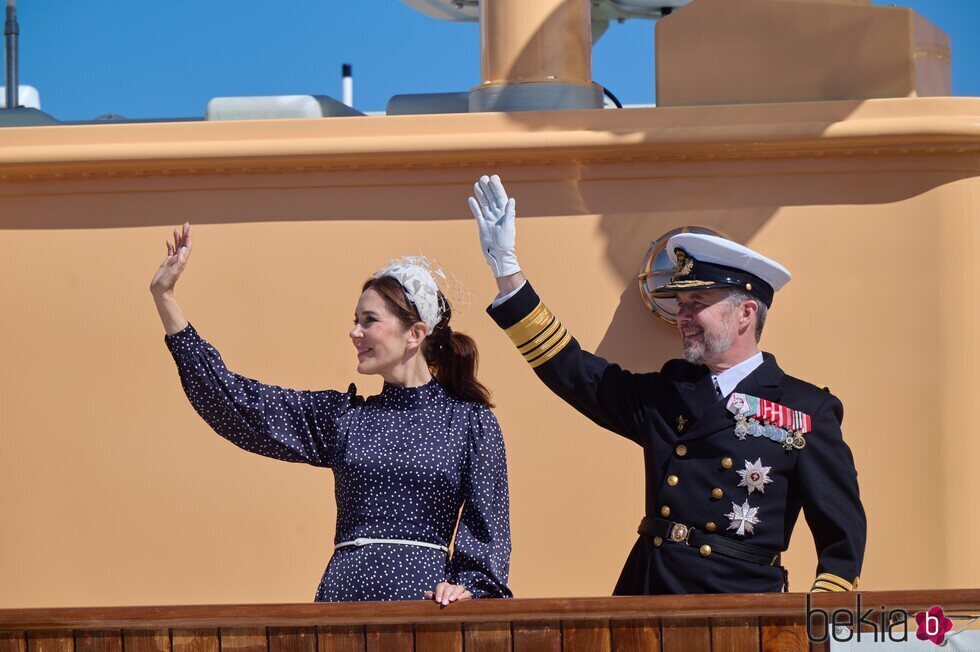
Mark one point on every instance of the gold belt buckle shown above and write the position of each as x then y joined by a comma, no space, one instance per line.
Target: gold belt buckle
679,533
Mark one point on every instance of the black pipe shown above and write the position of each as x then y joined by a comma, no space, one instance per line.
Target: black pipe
10,32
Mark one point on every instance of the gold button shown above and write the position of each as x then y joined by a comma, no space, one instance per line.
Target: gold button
665,511
705,550
681,450
726,462
657,541
710,527
717,493
672,480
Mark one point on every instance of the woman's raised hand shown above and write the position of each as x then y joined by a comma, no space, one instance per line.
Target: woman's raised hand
162,285
172,266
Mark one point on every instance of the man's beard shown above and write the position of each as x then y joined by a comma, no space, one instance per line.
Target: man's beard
701,349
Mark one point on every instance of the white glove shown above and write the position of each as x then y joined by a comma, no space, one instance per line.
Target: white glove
494,214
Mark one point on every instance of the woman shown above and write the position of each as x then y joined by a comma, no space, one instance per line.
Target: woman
405,461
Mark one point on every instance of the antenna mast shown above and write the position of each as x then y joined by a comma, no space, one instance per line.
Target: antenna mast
10,32
347,81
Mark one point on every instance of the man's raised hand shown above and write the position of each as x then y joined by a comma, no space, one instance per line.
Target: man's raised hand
494,213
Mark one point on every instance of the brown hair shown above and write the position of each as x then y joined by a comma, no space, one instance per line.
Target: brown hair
452,357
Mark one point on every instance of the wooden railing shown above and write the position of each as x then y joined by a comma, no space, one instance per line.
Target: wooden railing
685,623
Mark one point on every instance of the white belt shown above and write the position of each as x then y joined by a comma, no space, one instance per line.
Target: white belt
361,541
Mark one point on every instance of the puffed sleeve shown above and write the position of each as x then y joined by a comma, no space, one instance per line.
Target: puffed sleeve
284,424
831,502
604,392
481,556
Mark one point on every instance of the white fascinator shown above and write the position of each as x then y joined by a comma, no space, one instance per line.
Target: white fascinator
417,276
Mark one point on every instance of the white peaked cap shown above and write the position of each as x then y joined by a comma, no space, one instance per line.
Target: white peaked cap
720,251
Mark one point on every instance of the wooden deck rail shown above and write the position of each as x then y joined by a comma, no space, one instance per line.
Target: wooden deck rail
687,622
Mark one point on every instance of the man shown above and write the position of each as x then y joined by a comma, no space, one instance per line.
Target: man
733,447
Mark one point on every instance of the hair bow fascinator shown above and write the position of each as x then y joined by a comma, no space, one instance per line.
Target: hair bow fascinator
415,274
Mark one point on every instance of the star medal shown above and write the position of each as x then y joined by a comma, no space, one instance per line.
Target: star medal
743,518
755,476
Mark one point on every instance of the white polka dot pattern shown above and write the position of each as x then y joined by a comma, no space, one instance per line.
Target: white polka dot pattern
404,462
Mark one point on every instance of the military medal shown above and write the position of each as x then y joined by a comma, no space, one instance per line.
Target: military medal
741,426
794,440
743,518
755,476
761,418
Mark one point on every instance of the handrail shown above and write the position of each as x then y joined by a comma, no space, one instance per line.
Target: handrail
517,610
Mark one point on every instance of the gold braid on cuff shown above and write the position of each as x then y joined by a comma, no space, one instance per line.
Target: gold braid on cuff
828,582
539,336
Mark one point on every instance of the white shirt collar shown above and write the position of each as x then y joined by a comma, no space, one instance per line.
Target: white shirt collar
731,377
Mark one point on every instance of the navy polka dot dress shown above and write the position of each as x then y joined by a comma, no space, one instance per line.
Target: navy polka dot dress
404,463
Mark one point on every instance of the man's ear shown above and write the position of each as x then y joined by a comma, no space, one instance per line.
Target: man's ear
749,309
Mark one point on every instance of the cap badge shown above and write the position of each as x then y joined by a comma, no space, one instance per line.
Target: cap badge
684,264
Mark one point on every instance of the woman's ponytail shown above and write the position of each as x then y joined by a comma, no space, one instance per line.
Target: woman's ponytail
453,359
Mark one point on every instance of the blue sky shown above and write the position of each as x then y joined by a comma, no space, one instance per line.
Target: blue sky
151,58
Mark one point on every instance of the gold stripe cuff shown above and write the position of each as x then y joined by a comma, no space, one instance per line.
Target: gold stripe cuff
539,336
831,582
529,327
541,340
548,355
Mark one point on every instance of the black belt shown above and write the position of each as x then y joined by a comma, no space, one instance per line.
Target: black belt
680,533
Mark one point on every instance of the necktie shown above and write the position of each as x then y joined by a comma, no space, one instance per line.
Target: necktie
714,381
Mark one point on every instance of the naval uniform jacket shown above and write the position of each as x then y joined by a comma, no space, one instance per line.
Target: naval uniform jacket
692,458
